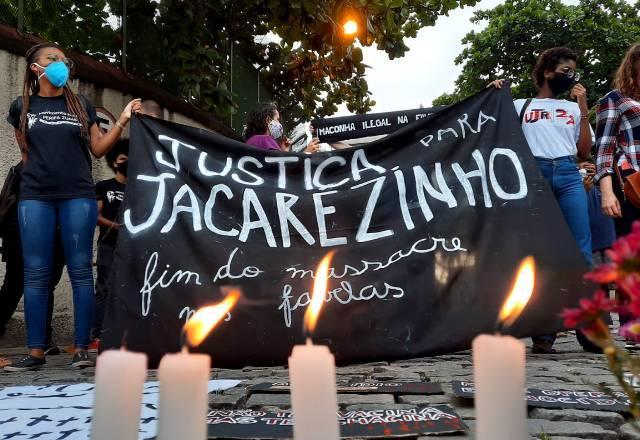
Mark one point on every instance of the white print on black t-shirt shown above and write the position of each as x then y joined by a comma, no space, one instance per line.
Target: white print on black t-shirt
53,118
559,115
31,119
115,195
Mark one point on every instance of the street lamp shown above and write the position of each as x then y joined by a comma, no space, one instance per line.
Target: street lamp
350,27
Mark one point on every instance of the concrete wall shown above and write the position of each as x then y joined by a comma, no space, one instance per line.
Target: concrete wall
12,70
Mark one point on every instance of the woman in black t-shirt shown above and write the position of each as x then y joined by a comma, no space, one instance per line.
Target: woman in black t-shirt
56,129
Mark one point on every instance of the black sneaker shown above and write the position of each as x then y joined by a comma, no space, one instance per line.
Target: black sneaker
27,364
52,350
81,360
542,349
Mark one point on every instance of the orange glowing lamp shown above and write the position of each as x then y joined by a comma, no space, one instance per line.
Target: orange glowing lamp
350,27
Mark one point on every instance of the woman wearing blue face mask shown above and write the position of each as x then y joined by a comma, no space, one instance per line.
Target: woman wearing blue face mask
56,130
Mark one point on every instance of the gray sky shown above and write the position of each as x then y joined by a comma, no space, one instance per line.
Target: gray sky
427,70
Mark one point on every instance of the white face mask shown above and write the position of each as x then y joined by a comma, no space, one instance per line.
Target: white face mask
275,129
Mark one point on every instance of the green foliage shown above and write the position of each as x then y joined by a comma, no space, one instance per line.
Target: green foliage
78,25
600,31
185,45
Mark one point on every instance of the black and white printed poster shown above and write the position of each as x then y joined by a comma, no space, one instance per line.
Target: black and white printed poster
360,387
382,423
370,124
616,401
428,226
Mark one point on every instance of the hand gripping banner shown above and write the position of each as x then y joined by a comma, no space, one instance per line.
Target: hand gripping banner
428,226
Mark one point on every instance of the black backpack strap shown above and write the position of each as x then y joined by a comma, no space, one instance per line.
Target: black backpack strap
526,105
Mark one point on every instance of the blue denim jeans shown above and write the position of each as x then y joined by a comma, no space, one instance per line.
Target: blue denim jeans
566,183
38,222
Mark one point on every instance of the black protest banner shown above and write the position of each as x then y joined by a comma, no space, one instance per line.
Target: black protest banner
360,387
588,400
370,124
428,226
387,423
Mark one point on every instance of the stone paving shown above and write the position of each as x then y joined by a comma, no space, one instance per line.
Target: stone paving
569,369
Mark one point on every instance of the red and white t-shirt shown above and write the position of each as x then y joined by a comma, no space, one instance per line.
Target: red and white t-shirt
551,126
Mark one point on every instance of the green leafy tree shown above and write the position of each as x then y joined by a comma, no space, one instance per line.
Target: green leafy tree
309,64
78,25
599,31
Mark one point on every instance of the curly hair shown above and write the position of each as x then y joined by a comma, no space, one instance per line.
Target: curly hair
257,119
120,147
31,86
626,79
548,60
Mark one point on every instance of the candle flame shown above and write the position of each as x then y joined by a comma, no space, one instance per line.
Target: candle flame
318,295
350,27
205,319
520,293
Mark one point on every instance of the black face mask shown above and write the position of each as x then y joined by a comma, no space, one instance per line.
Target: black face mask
560,83
122,168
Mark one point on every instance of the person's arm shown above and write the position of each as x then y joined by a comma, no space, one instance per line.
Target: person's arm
13,118
609,203
579,93
585,140
22,142
340,145
587,178
102,220
102,143
313,146
607,124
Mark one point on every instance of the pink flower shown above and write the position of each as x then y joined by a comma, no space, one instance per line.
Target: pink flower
625,259
605,273
630,284
589,310
572,317
599,303
631,331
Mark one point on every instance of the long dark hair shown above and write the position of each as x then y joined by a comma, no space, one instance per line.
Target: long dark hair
32,87
257,119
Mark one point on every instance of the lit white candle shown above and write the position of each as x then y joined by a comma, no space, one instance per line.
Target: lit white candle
182,413
312,375
499,370
118,396
499,374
